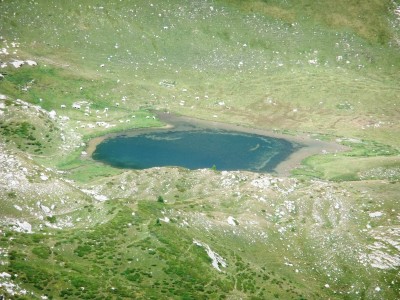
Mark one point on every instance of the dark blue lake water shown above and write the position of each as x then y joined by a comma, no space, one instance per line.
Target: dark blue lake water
195,149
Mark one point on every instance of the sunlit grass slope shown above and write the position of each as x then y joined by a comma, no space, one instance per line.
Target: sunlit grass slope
215,51
368,19
307,66
327,69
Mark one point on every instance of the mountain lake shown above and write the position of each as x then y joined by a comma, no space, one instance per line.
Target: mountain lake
195,149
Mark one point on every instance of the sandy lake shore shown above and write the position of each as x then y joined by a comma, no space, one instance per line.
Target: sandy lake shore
307,146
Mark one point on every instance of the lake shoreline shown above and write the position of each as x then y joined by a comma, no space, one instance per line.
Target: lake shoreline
307,146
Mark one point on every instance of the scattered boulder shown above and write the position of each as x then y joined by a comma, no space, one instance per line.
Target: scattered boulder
232,221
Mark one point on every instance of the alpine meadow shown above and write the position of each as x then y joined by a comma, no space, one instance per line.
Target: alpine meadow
321,75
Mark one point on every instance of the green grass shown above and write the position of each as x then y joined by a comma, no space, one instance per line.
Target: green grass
274,55
368,19
365,160
87,171
341,168
328,69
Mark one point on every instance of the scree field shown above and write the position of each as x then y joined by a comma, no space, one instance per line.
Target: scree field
72,72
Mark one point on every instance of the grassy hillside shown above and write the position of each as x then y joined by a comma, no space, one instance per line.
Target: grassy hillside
369,19
72,228
303,75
